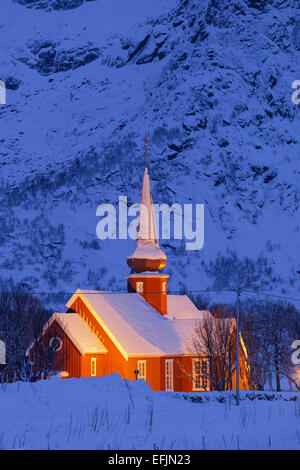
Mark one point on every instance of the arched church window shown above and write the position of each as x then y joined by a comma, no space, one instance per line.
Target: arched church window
55,344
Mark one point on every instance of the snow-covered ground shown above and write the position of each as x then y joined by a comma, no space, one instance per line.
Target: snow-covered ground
105,413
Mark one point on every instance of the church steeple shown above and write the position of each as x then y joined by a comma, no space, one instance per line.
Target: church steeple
147,260
147,255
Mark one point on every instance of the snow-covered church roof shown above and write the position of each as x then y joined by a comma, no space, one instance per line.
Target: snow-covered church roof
136,328
79,333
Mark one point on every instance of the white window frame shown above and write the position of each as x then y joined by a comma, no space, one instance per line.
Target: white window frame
203,383
141,366
93,366
169,375
139,287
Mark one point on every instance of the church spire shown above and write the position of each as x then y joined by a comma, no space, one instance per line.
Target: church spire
147,256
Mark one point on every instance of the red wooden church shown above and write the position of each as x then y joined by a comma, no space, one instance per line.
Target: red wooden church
145,330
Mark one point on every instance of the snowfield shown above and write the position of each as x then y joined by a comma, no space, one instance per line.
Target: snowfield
105,413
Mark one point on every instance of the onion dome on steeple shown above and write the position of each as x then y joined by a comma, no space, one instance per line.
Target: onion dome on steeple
147,255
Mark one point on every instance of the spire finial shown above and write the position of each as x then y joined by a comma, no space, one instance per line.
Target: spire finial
146,154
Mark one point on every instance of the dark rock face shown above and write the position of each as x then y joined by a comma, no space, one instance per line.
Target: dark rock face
200,33
151,47
12,83
50,58
216,13
296,35
258,4
49,5
139,48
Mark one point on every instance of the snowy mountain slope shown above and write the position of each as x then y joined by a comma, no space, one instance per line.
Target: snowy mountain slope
210,81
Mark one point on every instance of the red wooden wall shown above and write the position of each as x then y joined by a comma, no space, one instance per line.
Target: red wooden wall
68,358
